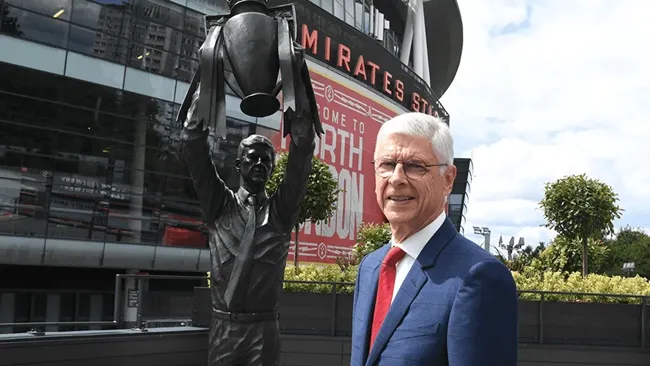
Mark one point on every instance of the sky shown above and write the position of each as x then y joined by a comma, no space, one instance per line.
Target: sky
546,89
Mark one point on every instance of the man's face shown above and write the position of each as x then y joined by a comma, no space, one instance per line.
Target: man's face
414,194
255,164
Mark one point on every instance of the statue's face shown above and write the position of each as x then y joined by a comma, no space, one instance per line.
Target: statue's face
255,164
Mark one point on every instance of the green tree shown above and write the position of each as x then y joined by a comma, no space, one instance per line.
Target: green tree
580,208
321,196
629,245
370,237
565,255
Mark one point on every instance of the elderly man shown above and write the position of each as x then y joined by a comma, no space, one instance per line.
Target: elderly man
430,296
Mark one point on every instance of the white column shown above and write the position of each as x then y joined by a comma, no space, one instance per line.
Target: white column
425,50
418,56
96,310
53,312
407,41
137,184
7,310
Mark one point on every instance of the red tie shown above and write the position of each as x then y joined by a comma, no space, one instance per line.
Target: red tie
385,289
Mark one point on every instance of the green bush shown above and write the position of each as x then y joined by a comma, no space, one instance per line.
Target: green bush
527,280
319,273
370,237
533,280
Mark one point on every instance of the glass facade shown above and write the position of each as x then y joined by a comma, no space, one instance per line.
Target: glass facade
88,162
85,161
80,160
159,37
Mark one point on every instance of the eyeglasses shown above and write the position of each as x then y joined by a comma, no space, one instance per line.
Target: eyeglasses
413,170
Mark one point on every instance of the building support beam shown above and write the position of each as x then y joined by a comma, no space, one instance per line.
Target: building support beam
418,56
415,40
425,49
407,40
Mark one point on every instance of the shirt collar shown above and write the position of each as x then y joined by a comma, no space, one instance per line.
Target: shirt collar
244,194
414,244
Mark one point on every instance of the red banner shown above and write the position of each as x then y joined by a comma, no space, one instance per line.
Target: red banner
351,121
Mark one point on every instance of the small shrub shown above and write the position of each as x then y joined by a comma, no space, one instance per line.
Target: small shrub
532,280
319,273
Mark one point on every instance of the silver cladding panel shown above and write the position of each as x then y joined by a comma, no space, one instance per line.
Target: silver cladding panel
118,255
61,252
19,250
176,259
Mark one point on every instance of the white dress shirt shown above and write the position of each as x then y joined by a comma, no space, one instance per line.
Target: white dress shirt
412,246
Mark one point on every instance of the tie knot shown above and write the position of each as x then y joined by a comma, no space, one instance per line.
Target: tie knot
395,254
251,200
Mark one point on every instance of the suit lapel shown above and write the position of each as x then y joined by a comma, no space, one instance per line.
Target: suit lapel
415,279
436,244
366,304
411,286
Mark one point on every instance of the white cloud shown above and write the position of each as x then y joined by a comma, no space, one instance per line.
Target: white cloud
546,89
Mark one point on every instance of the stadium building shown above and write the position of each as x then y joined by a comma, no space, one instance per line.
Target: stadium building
91,181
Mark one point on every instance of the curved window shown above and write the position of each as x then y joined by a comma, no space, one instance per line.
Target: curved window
87,162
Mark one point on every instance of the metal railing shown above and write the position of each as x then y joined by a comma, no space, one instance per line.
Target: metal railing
117,321
335,293
644,302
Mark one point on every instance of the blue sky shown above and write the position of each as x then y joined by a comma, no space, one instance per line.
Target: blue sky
549,88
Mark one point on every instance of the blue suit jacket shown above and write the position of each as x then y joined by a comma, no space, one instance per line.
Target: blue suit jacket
457,306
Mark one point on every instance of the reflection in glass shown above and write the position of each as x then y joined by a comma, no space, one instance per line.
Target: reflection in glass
194,23
186,69
26,139
26,111
81,148
155,36
23,182
97,44
106,19
106,162
91,96
59,9
152,60
86,122
25,24
163,13
266,132
24,81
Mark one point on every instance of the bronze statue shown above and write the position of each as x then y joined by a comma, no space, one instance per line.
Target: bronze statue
249,231
247,45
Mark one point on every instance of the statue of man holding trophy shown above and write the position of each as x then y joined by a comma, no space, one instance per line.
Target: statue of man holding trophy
250,47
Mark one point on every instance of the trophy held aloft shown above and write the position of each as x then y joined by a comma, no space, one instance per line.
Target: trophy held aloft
251,47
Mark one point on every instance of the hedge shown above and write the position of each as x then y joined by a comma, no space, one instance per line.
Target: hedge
531,280
527,280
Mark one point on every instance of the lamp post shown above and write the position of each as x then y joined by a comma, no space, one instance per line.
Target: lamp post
628,268
485,232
